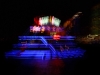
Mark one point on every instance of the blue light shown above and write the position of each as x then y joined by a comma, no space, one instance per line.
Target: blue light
44,41
52,48
49,51
38,54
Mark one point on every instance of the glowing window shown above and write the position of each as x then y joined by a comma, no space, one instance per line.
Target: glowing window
43,20
35,28
42,28
55,21
48,28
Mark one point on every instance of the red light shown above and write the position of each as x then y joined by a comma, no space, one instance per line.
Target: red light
36,20
56,37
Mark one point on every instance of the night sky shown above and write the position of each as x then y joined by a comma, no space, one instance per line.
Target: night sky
17,16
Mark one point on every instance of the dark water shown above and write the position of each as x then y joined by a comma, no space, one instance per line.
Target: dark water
89,64
47,67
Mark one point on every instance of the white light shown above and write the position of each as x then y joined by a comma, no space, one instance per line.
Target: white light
79,12
35,28
55,21
43,20
76,15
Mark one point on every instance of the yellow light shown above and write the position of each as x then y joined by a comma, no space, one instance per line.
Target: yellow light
50,19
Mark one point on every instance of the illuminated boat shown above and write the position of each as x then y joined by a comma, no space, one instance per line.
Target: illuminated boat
49,25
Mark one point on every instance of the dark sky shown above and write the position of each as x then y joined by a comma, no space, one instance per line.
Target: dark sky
17,16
